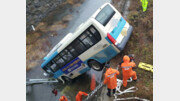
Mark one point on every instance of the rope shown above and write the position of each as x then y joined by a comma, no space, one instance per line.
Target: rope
131,89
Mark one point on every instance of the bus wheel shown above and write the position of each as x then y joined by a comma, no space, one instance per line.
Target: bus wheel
67,79
95,65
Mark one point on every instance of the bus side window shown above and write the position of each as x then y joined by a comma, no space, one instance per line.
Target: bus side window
73,51
92,37
95,33
67,56
86,40
79,47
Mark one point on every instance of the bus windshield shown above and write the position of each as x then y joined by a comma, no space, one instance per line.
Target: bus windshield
105,15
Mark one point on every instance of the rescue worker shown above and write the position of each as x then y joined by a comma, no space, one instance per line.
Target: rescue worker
63,98
144,5
79,95
127,66
111,79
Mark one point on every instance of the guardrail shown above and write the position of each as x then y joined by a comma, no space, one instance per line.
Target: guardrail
40,81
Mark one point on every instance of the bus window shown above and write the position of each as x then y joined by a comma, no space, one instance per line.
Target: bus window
84,35
73,51
105,15
67,56
48,70
92,36
95,33
53,66
79,47
59,61
86,40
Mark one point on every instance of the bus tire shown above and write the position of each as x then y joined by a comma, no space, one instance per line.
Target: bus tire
67,79
95,65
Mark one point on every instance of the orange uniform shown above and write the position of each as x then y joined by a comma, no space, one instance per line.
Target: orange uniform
127,70
110,78
63,98
79,95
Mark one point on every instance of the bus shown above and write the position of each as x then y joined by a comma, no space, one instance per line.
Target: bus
93,43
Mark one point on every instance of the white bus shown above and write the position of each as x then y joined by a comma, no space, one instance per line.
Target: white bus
94,42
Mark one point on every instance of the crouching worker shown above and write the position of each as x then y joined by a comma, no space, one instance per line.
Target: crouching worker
111,79
127,66
63,98
79,95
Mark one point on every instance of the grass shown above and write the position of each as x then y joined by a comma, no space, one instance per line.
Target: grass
140,44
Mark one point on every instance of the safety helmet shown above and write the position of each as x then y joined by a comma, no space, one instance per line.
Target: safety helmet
107,65
126,58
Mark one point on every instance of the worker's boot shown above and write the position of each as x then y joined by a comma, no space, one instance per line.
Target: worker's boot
136,80
108,95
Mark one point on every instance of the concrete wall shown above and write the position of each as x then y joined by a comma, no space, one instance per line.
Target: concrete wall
36,10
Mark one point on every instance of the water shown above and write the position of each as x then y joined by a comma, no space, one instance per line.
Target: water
42,92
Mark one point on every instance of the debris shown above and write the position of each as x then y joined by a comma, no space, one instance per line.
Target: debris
145,66
33,27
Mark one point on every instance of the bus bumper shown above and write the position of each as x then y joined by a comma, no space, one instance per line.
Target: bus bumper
121,45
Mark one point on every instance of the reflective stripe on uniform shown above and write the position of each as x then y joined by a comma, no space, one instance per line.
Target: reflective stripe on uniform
126,67
111,75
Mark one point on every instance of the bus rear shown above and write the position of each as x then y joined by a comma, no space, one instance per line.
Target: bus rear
118,30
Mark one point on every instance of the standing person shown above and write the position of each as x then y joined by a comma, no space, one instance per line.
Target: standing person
63,98
127,66
111,79
79,95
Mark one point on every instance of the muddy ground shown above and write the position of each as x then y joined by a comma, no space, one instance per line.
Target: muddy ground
39,43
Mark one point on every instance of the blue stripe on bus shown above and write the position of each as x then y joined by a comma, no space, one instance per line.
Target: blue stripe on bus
49,59
57,74
117,30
